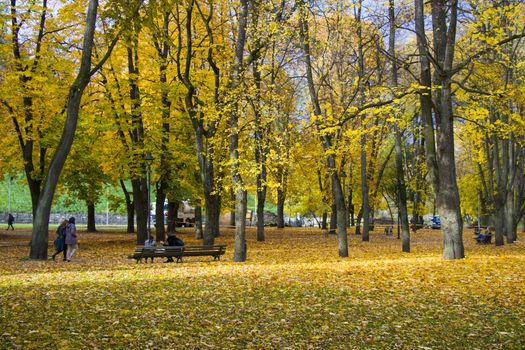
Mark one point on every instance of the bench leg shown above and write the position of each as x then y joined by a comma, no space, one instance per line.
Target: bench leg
179,259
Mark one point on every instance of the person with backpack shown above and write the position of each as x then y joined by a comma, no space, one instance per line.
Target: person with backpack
71,239
60,241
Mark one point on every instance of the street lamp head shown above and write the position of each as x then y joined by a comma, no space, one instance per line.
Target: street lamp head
148,158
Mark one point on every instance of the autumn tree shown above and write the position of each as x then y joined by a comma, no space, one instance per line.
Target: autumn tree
494,114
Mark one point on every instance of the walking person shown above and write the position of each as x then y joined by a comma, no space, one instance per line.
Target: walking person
10,221
60,241
71,239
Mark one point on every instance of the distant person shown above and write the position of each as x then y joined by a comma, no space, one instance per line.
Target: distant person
60,241
173,241
479,236
71,239
487,237
10,222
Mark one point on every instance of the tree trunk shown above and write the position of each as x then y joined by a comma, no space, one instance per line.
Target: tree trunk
333,218
205,150
400,172
364,192
39,236
240,252
324,222
440,163
401,194
281,195
232,209
91,227
173,209
261,151
130,210
138,183
510,224
160,233
213,208
261,199
358,221
198,222
498,224
163,49
140,200
448,202
326,139
364,173
342,235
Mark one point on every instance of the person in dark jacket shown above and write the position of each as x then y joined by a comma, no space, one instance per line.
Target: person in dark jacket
60,241
71,239
10,221
173,241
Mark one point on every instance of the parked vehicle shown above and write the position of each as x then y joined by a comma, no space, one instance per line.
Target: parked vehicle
185,215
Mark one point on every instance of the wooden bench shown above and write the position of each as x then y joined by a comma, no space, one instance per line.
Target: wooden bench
206,250
177,252
156,252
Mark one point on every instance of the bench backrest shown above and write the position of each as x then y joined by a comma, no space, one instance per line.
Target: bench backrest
205,248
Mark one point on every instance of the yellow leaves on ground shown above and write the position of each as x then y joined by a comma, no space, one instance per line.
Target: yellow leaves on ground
293,292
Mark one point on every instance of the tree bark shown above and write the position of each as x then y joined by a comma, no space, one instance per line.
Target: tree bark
261,199
282,176
160,232
198,222
261,151
130,208
333,218
91,227
140,201
173,208
232,208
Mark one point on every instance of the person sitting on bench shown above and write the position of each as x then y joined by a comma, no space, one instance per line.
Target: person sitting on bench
173,241
484,237
149,243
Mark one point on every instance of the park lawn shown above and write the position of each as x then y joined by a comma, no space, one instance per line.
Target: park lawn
294,292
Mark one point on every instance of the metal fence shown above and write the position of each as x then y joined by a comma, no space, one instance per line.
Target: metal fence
56,218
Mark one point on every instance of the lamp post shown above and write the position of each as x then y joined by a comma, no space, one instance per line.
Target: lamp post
149,159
